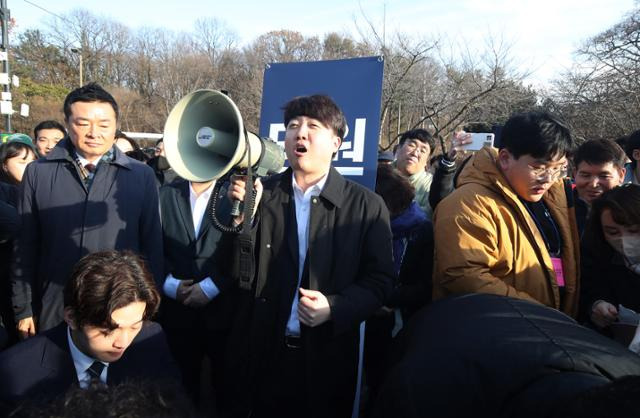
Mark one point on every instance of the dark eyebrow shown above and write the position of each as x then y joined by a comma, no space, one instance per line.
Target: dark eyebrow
80,118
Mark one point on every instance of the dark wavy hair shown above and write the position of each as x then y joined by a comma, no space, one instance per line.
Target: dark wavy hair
395,189
12,149
105,281
624,204
133,398
320,107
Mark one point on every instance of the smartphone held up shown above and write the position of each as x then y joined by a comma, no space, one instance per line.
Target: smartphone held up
480,140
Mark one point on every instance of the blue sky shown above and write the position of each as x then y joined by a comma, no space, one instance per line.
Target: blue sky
542,33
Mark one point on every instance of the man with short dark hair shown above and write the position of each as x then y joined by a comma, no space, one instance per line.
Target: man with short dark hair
412,155
84,196
599,165
323,263
508,228
47,134
106,337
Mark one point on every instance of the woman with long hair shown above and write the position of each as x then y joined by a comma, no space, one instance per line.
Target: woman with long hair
611,257
15,155
14,158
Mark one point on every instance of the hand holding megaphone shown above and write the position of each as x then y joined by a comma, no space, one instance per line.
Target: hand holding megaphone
205,139
237,191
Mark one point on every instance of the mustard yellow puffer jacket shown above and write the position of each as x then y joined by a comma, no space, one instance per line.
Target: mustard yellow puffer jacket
486,241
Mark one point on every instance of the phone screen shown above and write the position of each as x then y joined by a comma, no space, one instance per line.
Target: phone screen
480,140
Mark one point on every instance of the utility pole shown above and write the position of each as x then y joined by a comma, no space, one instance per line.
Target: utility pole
78,51
5,16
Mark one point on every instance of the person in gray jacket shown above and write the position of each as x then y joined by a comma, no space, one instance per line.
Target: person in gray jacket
84,196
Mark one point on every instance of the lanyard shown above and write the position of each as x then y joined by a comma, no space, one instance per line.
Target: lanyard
556,233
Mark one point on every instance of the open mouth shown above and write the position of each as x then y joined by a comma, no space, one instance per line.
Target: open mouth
301,149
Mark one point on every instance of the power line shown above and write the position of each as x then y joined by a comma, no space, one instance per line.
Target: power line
48,11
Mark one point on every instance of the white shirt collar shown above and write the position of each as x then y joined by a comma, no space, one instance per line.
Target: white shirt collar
81,361
199,206
84,161
206,194
316,189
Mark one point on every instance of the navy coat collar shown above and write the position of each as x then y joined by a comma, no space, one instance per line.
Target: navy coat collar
65,149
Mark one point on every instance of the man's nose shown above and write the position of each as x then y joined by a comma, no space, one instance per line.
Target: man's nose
93,131
302,131
122,339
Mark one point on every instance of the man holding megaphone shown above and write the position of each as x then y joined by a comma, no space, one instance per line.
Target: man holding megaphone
323,265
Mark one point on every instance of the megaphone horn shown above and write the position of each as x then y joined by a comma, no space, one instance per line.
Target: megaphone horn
204,138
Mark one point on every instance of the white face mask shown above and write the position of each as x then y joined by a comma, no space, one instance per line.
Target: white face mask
627,245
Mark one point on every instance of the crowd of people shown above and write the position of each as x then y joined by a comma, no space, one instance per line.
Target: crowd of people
499,282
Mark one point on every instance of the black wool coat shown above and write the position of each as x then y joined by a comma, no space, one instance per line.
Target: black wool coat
349,261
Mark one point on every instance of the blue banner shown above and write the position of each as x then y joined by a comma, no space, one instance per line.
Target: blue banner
354,84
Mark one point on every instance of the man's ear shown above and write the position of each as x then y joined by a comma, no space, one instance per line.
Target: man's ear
338,142
69,318
504,159
622,171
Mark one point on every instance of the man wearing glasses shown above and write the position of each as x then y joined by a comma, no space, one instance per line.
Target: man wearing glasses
412,156
509,228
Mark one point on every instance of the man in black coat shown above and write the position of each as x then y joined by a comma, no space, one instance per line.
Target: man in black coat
198,300
107,336
84,196
482,355
323,265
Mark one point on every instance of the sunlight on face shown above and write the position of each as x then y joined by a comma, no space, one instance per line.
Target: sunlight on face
92,128
15,166
109,345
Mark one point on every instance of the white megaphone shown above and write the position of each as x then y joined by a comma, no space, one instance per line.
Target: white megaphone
204,138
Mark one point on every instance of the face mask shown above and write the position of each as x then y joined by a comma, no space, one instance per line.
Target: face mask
163,164
627,245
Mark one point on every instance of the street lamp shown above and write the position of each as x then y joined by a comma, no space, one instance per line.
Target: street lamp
79,52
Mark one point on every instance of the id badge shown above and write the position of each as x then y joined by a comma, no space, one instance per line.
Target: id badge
557,267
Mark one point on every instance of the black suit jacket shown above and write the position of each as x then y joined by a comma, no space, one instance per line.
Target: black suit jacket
41,368
188,257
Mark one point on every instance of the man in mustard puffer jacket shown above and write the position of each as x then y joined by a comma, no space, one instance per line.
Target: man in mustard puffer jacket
509,228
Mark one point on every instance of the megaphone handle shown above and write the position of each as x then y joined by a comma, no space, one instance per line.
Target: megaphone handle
236,209
238,206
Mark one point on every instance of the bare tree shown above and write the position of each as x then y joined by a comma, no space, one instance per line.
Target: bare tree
600,96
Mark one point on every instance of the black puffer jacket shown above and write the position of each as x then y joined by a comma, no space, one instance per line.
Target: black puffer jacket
485,355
